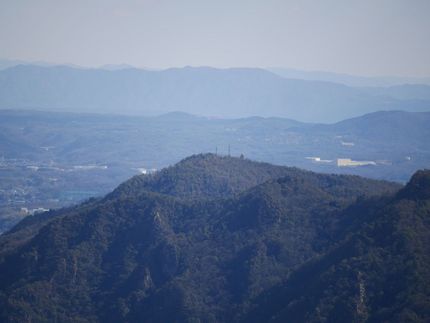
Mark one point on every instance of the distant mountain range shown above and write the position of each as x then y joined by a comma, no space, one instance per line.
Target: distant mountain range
222,239
346,79
236,92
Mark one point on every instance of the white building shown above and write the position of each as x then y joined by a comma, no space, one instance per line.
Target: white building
347,162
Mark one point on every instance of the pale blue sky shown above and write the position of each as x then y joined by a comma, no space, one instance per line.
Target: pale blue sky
366,37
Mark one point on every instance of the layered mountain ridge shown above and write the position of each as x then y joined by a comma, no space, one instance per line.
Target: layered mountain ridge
234,92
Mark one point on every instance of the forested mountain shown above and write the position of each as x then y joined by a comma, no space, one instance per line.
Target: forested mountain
212,176
236,92
222,239
376,271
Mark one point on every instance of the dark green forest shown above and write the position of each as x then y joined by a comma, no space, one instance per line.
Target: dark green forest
223,239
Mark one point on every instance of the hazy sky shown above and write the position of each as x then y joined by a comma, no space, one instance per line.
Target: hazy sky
365,37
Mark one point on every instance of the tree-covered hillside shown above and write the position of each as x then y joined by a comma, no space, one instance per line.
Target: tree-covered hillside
376,271
213,176
221,239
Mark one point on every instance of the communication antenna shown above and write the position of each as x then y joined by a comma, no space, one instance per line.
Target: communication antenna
228,150
216,150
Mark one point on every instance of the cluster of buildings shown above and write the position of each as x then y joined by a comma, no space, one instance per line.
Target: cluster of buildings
345,162
342,162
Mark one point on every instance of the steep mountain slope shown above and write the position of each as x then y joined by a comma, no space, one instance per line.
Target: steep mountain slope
237,92
140,255
377,272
